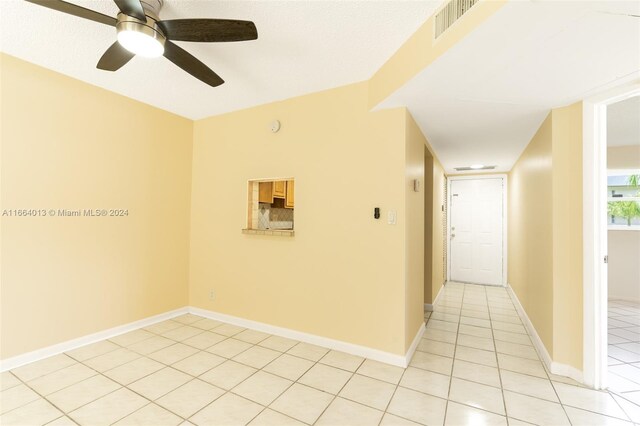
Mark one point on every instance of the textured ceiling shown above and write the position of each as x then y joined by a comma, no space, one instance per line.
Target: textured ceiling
623,122
304,46
483,100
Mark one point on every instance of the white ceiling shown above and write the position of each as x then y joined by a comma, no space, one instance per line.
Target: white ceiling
483,100
623,122
304,46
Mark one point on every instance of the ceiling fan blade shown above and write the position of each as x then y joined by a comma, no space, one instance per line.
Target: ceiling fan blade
190,64
209,30
79,11
131,8
114,58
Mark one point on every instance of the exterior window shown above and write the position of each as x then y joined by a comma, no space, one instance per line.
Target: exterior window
623,191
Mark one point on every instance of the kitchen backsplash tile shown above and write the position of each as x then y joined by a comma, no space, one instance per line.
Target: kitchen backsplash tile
274,218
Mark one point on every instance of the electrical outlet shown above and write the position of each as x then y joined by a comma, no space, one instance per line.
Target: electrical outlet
212,295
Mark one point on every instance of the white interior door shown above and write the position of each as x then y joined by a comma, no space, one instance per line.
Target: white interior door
476,231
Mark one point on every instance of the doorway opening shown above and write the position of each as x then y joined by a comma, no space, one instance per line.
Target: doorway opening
611,311
477,229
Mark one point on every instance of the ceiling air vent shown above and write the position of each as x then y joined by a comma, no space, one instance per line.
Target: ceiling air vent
451,13
465,169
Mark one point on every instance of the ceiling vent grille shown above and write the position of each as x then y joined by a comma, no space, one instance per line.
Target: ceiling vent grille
451,13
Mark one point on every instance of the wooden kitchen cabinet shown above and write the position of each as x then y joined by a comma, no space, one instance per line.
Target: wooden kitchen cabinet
265,192
279,189
288,200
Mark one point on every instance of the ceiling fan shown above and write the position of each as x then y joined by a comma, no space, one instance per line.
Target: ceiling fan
141,32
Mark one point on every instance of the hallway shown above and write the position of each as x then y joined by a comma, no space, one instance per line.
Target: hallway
496,368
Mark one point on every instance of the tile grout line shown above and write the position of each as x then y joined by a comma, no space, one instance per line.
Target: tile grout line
247,378
493,338
453,360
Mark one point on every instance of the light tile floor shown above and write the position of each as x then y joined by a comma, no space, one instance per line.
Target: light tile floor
475,366
624,348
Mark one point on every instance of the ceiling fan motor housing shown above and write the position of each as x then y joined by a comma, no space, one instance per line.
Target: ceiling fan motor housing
149,27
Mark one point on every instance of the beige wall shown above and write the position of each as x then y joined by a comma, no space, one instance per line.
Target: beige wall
428,227
415,228
567,235
530,231
438,270
623,267
623,157
70,145
545,233
343,274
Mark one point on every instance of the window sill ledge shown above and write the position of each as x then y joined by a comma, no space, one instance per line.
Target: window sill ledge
271,232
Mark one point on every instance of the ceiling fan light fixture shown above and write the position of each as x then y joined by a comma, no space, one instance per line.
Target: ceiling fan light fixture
142,38
141,44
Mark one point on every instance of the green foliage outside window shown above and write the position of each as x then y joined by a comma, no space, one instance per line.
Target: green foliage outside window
628,210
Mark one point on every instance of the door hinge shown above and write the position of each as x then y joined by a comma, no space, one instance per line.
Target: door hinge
606,259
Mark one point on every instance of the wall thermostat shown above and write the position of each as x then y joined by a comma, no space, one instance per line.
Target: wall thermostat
275,126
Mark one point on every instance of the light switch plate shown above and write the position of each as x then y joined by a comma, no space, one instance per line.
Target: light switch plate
392,217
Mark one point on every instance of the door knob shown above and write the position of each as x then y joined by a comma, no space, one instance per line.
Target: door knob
453,235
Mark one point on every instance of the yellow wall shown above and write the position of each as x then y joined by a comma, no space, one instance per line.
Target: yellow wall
438,270
428,227
530,234
415,229
70,145
567,235
343,274
545,233
623,157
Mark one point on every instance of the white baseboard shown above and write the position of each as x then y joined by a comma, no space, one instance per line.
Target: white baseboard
440,293
325,342
414,345
37,355
428,307
351,348
553,366
567,371
537,342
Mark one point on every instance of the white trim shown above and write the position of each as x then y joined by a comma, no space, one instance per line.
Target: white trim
537,342
37,355
505,183
567,371
440,292
623,228
414,345
351,348
429,307
325,342
594,229
554,367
